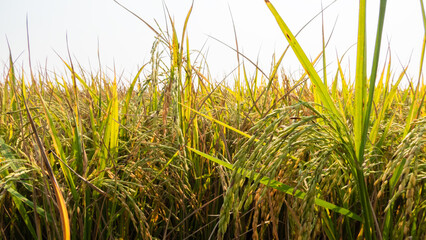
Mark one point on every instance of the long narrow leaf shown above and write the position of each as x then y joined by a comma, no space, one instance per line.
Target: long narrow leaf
280,186
303,59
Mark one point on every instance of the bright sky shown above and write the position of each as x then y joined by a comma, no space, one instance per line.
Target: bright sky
126,42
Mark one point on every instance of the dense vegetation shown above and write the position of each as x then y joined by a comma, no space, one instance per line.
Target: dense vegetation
172,154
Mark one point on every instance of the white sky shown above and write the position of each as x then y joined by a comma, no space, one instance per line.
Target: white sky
126,41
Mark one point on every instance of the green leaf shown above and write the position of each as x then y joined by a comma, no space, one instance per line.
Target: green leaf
280,186
303,59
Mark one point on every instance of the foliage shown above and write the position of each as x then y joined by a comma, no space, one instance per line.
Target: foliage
173,154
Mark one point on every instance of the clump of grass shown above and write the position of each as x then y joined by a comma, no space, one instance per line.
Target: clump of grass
173,154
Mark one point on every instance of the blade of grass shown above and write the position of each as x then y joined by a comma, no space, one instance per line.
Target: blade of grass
127,100
65,224
303,59
366,121
219,122
360,98
280,186
59,198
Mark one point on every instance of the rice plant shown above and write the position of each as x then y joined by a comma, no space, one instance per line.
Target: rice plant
175,154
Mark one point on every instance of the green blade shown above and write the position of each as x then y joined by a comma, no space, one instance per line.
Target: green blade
280,186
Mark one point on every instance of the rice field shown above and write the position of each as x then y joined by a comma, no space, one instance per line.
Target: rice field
175,154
